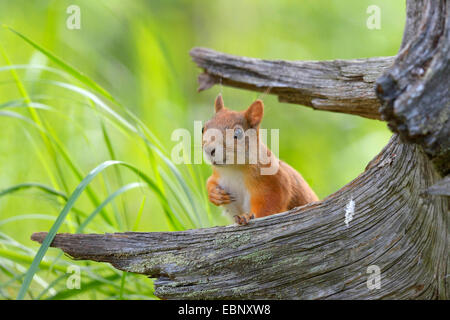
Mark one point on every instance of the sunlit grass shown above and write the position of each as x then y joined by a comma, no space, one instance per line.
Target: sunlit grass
178,192
115,91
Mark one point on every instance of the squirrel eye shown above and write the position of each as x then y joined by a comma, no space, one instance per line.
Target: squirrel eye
203,129
238,133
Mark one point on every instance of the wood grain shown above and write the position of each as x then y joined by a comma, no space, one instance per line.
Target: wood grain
345,86
311,254
415,91
323,250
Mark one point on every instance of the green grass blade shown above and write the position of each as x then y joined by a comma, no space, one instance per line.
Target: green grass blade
139,215
110,198
65,66
31,216
51,285
112,155
29,185
48,136
51,235
63,295
122,285
26,259
70,203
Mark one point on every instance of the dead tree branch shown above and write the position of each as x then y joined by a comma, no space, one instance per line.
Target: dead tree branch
312,254
415,91
394,215
345,86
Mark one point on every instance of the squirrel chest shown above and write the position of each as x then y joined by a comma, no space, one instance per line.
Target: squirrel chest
232,181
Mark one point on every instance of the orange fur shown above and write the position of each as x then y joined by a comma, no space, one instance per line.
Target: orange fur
268,194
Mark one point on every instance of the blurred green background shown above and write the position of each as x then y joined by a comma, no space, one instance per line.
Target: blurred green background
52,133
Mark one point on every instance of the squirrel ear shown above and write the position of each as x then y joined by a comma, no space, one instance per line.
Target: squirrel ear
254,113
218,105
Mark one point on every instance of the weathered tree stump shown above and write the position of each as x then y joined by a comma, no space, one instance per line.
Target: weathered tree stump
394,215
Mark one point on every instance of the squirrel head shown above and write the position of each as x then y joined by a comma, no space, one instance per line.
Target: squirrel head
232,137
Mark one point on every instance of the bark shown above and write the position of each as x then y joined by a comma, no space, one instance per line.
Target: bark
394,215
345,86
415,91
311,254
441,188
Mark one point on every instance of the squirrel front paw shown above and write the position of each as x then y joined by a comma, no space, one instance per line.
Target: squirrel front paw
243,219
218,196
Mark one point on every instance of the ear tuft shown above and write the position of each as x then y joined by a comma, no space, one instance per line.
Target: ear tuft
218,105
254,113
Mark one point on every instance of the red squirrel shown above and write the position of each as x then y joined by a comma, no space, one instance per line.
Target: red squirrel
242,188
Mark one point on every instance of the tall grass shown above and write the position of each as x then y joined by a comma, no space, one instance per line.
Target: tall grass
129,83
179,191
